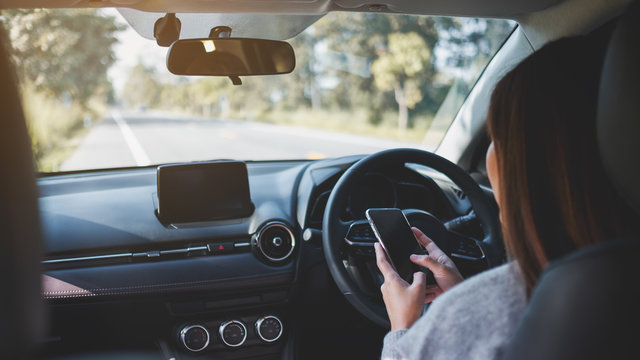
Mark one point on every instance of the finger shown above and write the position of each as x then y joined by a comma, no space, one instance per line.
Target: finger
426,241
381,261
428,262
440,257
423,239
434,291
429,298
419,280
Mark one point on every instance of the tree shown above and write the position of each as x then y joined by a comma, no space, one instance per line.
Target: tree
62,57
141,88
399,68
64,51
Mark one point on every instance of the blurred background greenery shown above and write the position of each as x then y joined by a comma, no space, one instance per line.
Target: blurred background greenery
62,57
373,74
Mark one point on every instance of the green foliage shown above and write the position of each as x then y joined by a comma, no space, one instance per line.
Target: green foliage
368,65
356,72
350,121
372,66
64,51
406,58
142,88
62,57
401,68
53,126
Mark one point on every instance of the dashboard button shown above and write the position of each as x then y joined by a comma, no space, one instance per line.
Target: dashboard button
233,333
195,337
269,328
220,248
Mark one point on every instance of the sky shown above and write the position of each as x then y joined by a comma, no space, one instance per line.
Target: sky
131,49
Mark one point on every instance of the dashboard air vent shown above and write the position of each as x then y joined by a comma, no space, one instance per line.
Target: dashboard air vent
274,242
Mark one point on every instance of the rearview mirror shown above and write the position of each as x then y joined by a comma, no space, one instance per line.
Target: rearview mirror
230,57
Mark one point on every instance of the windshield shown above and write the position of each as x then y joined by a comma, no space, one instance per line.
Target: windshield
96,94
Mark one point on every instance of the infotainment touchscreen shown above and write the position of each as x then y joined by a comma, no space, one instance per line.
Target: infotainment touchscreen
204,191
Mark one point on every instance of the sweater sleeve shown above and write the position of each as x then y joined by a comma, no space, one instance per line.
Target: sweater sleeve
471,321
389,345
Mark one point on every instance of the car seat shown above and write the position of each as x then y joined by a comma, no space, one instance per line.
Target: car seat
587,305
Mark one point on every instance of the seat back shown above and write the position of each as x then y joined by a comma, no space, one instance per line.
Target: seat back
619,109
585,306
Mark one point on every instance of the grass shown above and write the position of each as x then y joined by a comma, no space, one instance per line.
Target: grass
56,128
355,122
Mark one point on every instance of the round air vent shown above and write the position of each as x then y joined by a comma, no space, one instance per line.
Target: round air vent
274,242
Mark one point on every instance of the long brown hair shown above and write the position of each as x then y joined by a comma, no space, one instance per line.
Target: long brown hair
554,195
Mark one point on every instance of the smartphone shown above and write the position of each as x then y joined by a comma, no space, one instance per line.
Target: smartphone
393,231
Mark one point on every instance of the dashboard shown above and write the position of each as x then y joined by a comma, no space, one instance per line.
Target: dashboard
257,286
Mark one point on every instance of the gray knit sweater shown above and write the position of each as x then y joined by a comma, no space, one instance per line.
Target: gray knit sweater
473,320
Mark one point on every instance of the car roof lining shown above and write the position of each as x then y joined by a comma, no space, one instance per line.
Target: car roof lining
472,8
263,26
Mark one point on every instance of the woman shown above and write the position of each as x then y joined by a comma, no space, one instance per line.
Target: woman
544,167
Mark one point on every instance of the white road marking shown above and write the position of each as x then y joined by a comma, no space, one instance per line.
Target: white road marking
139,155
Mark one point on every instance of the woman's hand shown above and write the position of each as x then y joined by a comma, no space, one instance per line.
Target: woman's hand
443,268
404,301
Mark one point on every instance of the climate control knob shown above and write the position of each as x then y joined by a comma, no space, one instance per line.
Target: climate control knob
194,337
269,328
233,333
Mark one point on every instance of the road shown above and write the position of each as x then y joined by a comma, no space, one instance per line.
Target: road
138,139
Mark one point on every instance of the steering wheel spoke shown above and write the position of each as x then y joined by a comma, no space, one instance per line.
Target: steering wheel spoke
360,238
465,238
463,247
466,224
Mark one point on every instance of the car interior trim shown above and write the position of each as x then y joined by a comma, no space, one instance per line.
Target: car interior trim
472,114
493,8
160,277
87,258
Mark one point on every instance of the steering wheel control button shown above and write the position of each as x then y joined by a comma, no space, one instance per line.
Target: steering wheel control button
195,337
274,242
220,248
269,328
233,333
362,232
360,235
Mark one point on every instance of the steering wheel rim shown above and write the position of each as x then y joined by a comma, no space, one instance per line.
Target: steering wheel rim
333,229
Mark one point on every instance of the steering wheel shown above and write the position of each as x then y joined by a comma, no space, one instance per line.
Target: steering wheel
335,229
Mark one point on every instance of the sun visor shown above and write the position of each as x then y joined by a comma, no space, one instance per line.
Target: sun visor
194,25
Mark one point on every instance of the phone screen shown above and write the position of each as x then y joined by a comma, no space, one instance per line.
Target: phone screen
394,233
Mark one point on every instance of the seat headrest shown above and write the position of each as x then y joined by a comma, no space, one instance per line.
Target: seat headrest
619,107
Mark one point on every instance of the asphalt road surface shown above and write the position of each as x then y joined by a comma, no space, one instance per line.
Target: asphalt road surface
139,139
